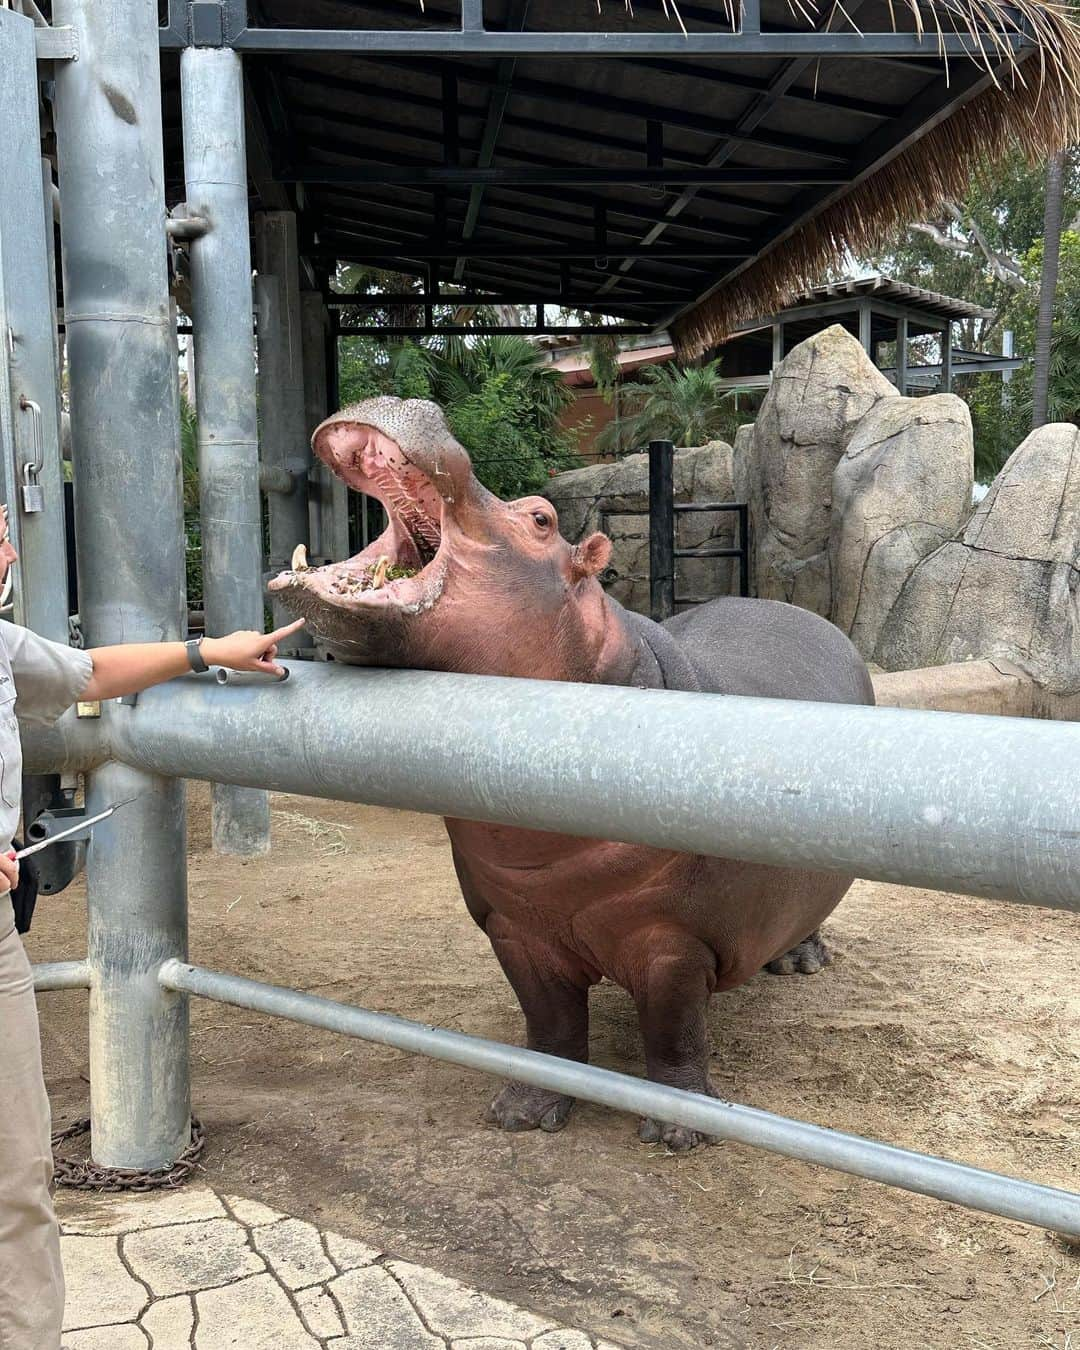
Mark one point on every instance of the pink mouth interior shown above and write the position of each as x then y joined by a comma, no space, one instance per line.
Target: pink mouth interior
372,463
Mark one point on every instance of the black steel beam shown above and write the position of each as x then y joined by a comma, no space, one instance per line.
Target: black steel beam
426,251
342,300
577,46
554,330
555,175
493,121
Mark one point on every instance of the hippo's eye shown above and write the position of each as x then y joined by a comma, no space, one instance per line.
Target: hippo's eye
542,519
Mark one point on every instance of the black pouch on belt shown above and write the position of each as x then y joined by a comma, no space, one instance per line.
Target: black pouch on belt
24,896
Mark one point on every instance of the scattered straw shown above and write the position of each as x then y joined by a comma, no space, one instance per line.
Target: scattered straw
329,839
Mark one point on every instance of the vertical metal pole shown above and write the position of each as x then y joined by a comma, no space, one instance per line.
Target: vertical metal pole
215,170
743,509
329,515
1007,350
866,331
129,528
946,359
662,529
281,391
777,343
29,344
901,354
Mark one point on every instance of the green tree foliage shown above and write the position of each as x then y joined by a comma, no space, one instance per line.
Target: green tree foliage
189,461
502,400
988,249
689,407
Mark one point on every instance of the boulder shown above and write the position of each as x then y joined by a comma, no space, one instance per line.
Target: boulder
819,393
1007,585
615,498
901,488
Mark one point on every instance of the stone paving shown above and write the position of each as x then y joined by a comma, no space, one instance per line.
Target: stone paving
194,1270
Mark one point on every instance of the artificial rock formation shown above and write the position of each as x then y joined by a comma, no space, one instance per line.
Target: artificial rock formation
1008,585
849,484
615,498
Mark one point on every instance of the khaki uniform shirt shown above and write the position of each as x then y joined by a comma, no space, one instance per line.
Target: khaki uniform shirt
38,681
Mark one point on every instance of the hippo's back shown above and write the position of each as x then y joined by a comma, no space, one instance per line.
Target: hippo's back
768,649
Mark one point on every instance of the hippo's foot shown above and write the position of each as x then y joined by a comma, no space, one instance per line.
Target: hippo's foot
521,1106
678,1138
810,956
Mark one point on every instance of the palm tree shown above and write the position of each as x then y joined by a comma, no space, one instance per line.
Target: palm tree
1055,195
458,368
689,407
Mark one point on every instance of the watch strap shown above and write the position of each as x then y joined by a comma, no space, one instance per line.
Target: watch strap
195,656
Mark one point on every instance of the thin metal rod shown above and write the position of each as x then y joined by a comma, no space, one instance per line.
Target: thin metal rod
61,975
991,1192
215,168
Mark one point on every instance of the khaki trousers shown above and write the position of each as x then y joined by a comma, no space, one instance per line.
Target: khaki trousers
31,1278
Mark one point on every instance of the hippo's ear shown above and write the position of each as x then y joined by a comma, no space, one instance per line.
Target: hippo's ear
589,557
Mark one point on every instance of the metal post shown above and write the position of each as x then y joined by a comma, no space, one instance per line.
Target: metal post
281,391
1007,351
946,359
777,343
329,512
743,513
215,167
661,529
866,339
26,234
901,354
122,355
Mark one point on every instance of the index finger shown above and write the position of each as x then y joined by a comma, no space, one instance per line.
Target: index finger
279,633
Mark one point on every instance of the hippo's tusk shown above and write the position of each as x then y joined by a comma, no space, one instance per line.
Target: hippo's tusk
299,558
378,577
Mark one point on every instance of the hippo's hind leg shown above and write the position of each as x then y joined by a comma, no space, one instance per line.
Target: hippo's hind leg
807,958
553,991
672,995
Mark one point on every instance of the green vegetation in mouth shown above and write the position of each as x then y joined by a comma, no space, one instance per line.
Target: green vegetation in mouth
399,573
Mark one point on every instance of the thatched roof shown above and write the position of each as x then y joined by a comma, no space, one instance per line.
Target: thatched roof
1031,105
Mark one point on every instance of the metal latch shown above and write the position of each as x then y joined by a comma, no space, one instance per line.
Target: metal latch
33,494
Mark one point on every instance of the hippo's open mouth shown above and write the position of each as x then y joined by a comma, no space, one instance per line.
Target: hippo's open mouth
403,568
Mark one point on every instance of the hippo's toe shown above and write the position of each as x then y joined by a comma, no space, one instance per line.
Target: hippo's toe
675,1137
810,956
520,1106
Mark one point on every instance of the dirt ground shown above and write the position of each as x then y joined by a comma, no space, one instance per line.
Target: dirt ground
945,1024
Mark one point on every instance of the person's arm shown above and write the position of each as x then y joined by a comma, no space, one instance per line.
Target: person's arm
131,667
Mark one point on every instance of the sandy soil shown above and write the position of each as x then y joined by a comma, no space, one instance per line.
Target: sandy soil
945,1024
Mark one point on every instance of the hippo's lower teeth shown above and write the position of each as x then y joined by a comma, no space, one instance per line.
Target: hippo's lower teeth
299,559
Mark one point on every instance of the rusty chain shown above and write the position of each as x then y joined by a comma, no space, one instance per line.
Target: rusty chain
85,1174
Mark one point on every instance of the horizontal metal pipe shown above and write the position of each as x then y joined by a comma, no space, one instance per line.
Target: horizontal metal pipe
61,975
1010,1197
981,805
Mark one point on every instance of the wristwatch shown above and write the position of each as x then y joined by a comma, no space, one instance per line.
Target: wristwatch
195,656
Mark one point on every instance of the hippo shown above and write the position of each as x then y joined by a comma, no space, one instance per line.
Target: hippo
463,581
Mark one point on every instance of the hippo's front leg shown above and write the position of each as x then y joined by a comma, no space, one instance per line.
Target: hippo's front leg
553,990
675,975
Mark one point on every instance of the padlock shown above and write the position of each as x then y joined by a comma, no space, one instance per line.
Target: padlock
33,494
